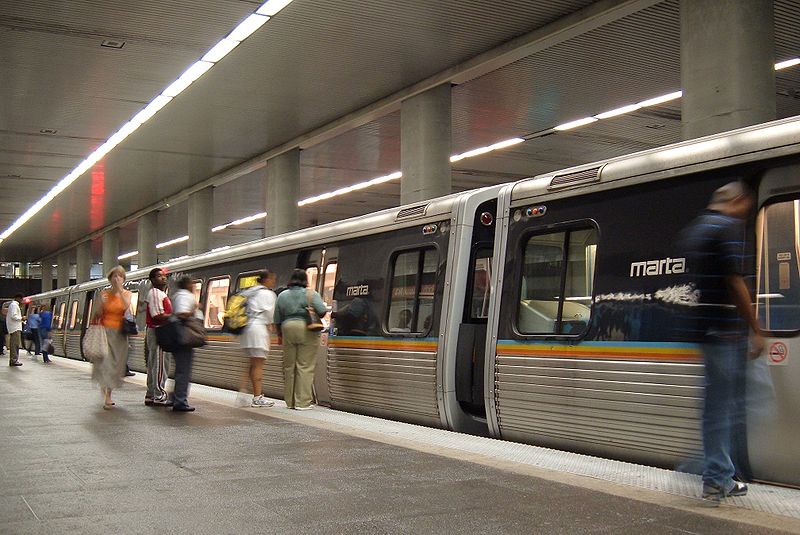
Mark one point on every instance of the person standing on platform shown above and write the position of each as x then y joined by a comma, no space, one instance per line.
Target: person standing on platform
184,307
14,327
255,337
44,332
34,322
111,307
714,244
159,309
299,344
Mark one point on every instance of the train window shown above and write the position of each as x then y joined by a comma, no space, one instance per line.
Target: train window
412,291
217,298
134,302
197,288
246,281
557,282
73,314
61,309
778,296
328,282
312,273
481,288
91,310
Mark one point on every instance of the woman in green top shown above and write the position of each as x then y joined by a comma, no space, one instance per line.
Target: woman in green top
299,344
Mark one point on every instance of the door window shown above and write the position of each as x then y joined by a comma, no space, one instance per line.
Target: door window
73,314
216,301
413,286
778,245
480,286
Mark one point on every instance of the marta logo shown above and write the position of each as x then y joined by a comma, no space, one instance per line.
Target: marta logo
664,266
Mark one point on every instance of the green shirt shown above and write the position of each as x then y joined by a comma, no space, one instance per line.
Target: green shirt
292,304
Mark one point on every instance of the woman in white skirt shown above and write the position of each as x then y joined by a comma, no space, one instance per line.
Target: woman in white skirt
110,313
255,337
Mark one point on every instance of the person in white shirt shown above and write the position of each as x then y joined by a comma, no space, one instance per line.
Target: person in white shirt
159,309
14,326
256,337
184,306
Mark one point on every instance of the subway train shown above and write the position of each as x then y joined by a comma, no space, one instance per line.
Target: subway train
545,311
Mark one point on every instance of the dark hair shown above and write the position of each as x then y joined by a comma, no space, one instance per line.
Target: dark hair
185,283
154,272
264,275
298,278
18,296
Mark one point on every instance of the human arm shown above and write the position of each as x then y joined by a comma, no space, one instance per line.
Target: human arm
318,304
740,296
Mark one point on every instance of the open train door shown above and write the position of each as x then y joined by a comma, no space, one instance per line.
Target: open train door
320,266
773,387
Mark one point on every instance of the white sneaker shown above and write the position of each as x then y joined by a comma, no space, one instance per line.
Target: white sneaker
261,401
304,408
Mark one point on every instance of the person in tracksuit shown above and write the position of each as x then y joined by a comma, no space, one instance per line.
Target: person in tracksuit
159,308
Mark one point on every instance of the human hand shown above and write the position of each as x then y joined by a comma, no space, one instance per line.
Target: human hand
757,344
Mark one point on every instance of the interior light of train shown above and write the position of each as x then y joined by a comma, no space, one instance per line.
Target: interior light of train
271,7
486,219
429,229
786,64
575,124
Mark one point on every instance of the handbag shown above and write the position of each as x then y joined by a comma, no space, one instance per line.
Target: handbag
129,327
168,336
95,343
193,333
313,321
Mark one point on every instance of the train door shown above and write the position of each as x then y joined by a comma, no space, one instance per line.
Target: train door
88,311
320,266
773,388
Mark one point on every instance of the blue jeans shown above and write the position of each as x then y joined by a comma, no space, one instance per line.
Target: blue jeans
725,361
44,334
183,374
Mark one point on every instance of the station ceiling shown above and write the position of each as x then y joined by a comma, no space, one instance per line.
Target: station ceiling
327,77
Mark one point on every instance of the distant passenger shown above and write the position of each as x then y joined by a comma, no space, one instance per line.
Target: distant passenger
111,307
34,322
299,343
14,327
255,338
45,327
159,309
185,306
715,248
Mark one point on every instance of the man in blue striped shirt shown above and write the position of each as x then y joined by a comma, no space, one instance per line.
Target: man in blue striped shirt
715,251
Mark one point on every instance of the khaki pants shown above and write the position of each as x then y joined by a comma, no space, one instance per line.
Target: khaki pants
299,360
14,343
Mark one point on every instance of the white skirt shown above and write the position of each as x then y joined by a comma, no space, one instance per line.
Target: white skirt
255,336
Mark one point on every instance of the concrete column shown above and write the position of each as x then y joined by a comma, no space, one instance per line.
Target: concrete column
47,274
283,176
110,249
63,270
83,264
727,65
201,210
425,145
147,237
24,270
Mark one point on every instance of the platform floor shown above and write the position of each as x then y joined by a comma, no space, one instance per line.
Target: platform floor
71,467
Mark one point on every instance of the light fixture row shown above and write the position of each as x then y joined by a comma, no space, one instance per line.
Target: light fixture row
195,71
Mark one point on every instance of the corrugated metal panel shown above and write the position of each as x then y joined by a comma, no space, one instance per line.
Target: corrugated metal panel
73,345
645,407
377,382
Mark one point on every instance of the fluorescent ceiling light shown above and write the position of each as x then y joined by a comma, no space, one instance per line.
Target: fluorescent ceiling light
185,80
155,105
575,124
662,99
488,148
127,255
220,50
219,227
350,189
619,111
241,221
247,27
271,7
171,242
217,249
786,64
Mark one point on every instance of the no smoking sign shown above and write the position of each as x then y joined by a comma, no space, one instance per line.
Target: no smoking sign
778,352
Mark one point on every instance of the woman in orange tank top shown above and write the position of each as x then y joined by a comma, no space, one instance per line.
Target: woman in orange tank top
112,304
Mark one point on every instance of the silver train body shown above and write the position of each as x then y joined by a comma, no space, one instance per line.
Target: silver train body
542,311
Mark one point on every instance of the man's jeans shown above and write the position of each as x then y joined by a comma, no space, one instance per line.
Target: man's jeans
725,362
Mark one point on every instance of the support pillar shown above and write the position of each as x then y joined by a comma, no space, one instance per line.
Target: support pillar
110,249
201,210
63,269
147,237
425,145
47,274
83,264
283,176
727,65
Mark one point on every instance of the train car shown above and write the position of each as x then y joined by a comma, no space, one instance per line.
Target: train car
588,351
544,311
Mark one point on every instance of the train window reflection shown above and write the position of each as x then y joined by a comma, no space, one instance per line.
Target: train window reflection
197,288
73,314
481,289
778,245
61,309
557,282
412,291
312,273
217,298
328,282
134,302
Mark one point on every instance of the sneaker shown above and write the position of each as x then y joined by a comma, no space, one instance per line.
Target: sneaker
712,492
738,489
15,363
304,408
163,402
148,401
261,401
129,373
183,408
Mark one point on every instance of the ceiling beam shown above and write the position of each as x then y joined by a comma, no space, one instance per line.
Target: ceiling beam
582,21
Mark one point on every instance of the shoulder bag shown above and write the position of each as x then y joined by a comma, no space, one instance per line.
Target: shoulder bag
95,343
313,321
193,333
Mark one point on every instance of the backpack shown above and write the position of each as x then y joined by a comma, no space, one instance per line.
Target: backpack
236,312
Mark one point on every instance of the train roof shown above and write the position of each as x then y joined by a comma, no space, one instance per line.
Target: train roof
767,140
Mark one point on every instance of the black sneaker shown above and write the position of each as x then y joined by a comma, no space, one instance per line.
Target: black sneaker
15,363
183,408
738,489
129,373
712,492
